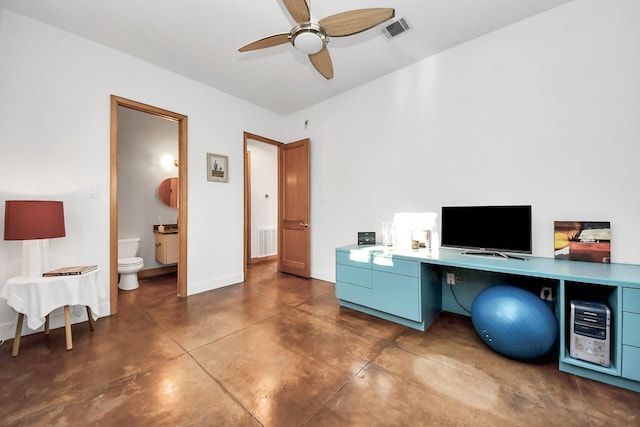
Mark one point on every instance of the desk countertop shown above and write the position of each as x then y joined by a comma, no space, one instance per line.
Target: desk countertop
609,274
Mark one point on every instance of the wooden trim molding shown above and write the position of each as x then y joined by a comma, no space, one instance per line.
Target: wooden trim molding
264,259
159,271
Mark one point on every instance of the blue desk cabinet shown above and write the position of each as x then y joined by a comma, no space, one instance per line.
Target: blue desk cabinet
631,334
397,287
386,286
353,278
609,294
406,287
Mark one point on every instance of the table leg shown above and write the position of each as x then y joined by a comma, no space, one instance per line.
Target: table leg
67,327
90,317
46,325
16,341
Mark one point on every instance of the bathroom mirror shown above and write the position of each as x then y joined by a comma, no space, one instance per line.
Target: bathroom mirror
168,192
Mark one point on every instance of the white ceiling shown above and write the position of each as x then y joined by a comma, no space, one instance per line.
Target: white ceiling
199,39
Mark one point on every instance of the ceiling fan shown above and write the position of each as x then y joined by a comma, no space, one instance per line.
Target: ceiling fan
311,37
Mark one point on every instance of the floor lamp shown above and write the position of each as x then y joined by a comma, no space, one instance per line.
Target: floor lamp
34,222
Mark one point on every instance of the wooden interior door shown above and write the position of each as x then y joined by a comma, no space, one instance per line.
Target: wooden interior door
294,233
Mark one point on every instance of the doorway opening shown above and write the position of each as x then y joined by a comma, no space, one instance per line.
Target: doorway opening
261,200
293,206
181,120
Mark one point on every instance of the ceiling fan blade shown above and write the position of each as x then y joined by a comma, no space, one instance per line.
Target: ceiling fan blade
298,9
355,21
322,62
270,41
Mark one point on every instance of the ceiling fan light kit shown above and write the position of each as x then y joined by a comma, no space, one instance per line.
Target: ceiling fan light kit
311,38
308,38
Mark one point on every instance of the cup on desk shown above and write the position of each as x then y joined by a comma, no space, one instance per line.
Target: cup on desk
387,233
415,244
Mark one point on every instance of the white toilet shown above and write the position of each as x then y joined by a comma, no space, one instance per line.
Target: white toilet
129,263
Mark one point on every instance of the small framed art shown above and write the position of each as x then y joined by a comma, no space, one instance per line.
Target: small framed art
583,241
217,167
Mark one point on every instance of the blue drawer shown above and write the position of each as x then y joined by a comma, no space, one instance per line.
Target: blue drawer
630,365
631,329
353,275
631,300
354,258
398,295
353,293
397,266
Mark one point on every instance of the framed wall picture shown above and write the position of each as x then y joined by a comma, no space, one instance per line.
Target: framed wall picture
582,241
217,167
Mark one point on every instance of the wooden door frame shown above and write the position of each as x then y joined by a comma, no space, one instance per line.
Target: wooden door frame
181,119
247,193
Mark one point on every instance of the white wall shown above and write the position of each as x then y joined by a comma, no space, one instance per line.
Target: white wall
542,112
144,140
54,109
264,181
545,112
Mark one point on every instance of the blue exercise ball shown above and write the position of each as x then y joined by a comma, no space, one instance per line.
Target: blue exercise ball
514,322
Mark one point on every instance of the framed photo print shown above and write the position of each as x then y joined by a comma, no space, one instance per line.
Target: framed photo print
217,167
582,241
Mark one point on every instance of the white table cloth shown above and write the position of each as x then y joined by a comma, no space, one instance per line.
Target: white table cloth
39,296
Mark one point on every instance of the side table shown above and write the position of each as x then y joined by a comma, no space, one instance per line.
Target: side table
37,297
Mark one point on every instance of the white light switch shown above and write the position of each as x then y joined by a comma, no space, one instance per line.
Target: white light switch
92,192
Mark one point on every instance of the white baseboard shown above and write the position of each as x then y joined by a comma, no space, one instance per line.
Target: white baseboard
323,275
218,282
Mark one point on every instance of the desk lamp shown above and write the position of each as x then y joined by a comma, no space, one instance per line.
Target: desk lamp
34,222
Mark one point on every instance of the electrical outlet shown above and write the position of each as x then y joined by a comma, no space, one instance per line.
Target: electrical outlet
546,294
451,279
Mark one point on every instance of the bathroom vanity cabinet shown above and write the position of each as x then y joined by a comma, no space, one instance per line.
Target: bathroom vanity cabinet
166,247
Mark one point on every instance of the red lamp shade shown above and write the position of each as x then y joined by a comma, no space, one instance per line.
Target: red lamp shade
33,219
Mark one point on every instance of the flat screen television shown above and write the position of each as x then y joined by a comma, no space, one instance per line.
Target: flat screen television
487,230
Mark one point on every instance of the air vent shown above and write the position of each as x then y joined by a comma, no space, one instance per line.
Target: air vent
396,28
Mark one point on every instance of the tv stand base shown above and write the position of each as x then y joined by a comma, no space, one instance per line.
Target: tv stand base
492,254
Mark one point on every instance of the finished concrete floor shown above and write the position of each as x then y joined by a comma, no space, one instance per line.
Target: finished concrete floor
277,350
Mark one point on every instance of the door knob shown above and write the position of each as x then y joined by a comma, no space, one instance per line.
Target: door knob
304,224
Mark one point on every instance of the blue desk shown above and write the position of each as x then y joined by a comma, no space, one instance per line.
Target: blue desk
409,287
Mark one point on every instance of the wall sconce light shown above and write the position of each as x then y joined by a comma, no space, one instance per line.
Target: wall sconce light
34,222
168,162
